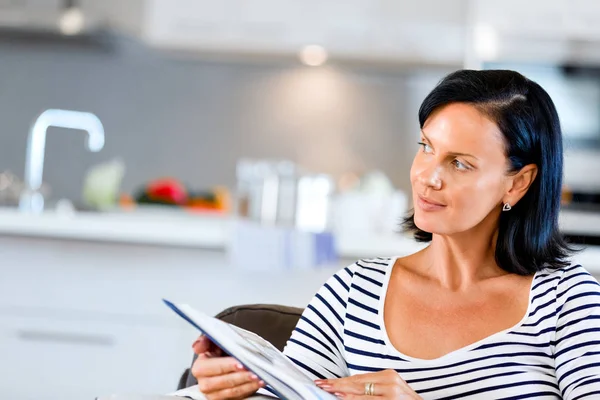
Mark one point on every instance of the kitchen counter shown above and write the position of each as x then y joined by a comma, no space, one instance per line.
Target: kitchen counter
170,228
180,229
145,227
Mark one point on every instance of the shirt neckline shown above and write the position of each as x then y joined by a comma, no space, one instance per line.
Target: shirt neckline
454,353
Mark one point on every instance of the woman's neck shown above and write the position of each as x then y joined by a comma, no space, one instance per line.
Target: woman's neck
459,261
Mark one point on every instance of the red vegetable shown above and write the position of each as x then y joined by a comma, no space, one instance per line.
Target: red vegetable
167,190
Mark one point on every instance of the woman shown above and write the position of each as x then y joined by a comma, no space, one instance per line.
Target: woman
491,308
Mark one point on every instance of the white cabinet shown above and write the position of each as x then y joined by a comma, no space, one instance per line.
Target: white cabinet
72,359
421,32
537,18
32,13
81,319
581,19
541,30
45,15
557,19
424,31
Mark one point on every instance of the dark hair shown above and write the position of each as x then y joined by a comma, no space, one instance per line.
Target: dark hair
528,235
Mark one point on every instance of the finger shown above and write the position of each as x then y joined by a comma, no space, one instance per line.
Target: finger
331,382
204,366
373,377
237,392
347,385
220,382
393,391
364,397
202,344
387,390
382,377
354,384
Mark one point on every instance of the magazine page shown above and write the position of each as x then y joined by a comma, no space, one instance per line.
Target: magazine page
256,354
194,393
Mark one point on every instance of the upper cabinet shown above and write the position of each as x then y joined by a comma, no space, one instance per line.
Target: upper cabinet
540,30
425,31
531,18
556,19
448,32
582,19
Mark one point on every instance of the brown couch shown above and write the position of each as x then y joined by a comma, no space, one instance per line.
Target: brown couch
275,323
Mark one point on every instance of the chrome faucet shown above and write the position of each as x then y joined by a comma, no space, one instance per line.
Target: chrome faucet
31,199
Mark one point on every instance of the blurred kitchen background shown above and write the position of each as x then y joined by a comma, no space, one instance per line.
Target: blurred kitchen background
236,152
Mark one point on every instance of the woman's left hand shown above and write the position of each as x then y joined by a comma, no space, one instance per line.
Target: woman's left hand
384,384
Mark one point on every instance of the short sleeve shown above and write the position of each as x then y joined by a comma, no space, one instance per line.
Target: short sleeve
577,339
316,345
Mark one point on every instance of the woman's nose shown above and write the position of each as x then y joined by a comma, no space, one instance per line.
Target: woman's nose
432,178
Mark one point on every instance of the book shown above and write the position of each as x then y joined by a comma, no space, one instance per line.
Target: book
255,354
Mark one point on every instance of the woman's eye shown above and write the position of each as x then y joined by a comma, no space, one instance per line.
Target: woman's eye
426,148
460,166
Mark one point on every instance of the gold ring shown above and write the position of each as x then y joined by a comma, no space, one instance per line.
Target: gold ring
370,389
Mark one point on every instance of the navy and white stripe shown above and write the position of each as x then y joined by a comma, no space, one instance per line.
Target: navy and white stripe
553,353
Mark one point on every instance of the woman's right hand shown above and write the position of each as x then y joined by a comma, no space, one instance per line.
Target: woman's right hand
221,377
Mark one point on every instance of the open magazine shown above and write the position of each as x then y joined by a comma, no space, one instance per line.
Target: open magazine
256,354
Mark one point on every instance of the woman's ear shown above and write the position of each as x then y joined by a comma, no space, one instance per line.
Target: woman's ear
520,183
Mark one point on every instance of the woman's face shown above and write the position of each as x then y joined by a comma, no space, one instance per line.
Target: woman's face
459,175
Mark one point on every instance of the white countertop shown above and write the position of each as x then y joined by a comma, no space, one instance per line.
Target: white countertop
213,232
147,227
169,229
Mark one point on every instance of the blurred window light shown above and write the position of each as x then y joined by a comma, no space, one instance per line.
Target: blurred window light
72,21
485,42
313,55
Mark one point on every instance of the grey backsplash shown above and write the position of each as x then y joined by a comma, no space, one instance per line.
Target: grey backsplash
165,115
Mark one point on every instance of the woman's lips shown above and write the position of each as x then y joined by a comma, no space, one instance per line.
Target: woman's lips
429,205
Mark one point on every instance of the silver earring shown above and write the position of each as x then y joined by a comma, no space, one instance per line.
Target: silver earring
506,207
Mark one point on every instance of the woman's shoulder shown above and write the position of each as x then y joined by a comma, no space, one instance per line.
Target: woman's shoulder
567,282
571,272
373,270
379,264
576,300
366,270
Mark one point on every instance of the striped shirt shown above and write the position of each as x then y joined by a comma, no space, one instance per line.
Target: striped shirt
554,352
